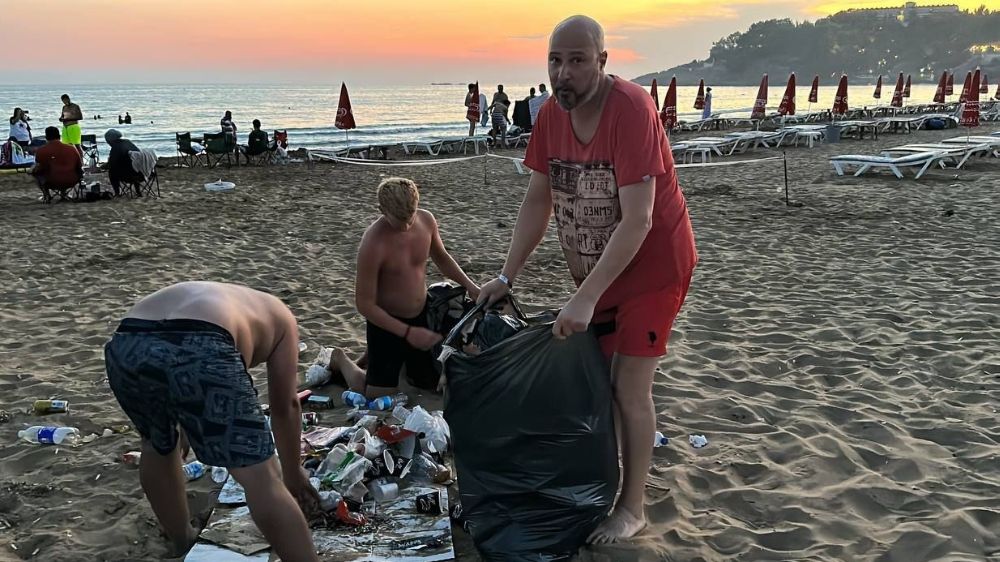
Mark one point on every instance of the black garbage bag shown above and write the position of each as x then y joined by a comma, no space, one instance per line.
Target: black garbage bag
446,304
495,328
534,442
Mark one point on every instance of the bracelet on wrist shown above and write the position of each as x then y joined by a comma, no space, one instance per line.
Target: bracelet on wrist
506,281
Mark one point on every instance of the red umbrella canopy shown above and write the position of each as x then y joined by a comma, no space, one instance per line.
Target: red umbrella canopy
942,88
760,104
814,90
345,117
970,111
787,106
699,100
984,85
840,101
474,110
656,96
965,88
897,92
949,87
878,88
906,89
669,113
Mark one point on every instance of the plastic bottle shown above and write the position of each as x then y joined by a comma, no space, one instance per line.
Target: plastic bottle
51,406
659,440
352,398
319,372
194,470
49,435
386,403
219,474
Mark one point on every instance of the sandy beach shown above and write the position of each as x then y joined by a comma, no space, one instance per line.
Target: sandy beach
839,354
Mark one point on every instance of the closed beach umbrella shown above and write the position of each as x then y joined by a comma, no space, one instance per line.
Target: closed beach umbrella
787,106
760,104
949,87
984,85
699,100
345,116
474,110
942,88
897,92
814,91
656,96
997,95
878,88
669,113
906,89
965,88
970,111
840,100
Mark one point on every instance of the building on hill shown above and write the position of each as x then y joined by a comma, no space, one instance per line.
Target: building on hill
905,13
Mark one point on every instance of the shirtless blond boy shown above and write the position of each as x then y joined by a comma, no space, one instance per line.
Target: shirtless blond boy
180,357
391,292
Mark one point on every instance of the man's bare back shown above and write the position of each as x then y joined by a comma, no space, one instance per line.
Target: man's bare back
257,321
402,263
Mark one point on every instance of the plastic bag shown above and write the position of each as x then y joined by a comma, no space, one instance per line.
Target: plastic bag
534,442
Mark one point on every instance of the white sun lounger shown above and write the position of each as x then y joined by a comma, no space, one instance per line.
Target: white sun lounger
718,145
430,146
924,160
353,151
475,142
957,153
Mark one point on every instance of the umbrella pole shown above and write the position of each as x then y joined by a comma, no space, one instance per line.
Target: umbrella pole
784,161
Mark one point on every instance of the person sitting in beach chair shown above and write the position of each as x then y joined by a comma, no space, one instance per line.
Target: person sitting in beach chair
180,358
58,166
120,162
391,293
258,147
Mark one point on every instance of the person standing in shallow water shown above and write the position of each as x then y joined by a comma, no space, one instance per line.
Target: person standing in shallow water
601,163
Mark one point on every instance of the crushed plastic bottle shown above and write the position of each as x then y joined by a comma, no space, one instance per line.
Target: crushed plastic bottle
219,474
49,435
659,440
319,372
194,470
698,441
386,403
352,398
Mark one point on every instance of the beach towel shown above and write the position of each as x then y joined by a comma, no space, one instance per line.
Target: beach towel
522,114
535,104
143,161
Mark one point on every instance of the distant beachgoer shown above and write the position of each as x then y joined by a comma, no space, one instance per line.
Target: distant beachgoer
120,120
468,102
128,119
499,95
257,137
120,161
498,111
601,164
181,357
391,293
535,103
19,129
531,94
229,128
70,118
58,165
707,111
484,114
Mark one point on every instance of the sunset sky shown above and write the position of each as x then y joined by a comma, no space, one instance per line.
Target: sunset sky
361,42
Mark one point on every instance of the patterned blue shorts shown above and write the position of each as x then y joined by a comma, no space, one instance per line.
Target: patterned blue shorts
188,372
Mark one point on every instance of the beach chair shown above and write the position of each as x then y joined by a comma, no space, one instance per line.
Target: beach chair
91,152
146,181
258,151
475,142
520,167
217,147
281,138
719,145
864,162
430,146
958,154
187,154
353,151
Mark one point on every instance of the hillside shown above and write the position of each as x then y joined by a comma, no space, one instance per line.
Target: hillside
859,43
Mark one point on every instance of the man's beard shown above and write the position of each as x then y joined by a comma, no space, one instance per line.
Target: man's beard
570,99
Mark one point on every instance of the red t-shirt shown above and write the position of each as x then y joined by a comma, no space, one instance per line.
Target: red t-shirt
58,163
628,147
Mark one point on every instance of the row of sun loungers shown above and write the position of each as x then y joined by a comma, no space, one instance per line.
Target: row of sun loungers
957,150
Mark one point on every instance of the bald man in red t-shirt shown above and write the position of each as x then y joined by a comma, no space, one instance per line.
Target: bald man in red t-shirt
57,165
602,165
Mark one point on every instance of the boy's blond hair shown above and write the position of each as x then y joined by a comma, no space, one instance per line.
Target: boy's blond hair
398,198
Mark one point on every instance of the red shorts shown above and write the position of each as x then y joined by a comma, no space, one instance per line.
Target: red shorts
640,326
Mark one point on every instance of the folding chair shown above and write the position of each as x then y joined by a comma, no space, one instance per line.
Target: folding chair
258,151
217,147
281,138
187,154
145,181
91,153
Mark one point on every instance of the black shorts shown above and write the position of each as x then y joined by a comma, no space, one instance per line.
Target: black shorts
188,372
388,353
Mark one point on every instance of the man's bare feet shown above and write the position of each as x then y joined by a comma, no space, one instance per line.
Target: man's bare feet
353,375
620,525
181,547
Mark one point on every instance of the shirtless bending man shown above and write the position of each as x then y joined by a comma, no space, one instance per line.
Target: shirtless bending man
181,356
391,292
